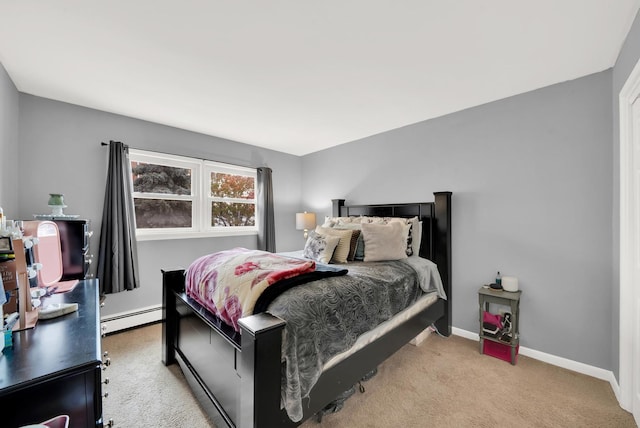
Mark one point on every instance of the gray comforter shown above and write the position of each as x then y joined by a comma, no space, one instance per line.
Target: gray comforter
325,317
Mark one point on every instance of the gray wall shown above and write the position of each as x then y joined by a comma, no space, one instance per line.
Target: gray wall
627,59
8,145
531,178
60,152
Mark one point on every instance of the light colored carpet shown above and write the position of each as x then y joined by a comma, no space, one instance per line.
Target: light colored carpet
143,392
442,383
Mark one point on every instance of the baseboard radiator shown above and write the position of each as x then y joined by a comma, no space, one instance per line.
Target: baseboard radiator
130,319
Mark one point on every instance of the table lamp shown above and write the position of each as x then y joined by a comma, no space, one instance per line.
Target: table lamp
305,221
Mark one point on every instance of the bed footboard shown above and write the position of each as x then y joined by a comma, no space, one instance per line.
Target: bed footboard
235,377
172,281
260,371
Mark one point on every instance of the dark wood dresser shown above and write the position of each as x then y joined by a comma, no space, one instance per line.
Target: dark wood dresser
55,368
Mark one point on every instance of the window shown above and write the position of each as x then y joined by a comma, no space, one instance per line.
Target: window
232,196
179,197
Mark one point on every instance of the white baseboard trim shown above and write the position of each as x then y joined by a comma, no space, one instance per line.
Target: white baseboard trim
124,320
464,333
602,374
130,319
617,392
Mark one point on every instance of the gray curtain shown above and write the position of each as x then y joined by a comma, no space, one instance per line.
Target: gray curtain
118,255
266,222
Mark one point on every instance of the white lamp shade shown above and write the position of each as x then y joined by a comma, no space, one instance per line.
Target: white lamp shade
305,220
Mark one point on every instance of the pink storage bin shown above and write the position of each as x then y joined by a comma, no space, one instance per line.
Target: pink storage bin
499,350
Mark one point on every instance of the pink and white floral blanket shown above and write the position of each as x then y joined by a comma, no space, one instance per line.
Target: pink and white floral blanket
229,282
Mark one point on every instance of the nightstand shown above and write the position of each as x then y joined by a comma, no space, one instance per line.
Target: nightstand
498,346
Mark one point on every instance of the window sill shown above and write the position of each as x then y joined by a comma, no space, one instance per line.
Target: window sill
192,235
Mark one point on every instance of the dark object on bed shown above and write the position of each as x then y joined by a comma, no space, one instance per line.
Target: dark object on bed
236,377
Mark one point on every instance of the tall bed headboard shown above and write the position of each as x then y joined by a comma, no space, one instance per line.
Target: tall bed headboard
436,229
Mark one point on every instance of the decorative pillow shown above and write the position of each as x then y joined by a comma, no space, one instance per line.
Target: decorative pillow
355,238
407,231
414,237
329,221
342,221
359,254
417,239
359,220
342,250
350,226
385,241
353,245
320,247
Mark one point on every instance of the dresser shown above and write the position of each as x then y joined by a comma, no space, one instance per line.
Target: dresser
55,368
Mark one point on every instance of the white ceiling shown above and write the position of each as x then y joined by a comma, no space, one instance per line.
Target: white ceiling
296,75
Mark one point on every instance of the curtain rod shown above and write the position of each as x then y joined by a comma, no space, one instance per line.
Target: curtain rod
102,143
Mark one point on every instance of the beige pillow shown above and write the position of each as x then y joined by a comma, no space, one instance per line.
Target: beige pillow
342,250
355,237
385,241
415,233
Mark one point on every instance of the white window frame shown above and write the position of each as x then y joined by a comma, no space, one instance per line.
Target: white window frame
200,197
208,168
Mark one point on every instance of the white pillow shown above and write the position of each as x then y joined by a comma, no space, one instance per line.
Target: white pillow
320,247
342,250
414,232
385,241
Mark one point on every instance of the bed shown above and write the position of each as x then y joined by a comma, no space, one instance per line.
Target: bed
237,376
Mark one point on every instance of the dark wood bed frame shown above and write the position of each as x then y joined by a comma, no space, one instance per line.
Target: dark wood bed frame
236,377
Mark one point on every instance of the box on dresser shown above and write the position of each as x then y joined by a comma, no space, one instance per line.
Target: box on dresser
74,241
74,237
8,275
